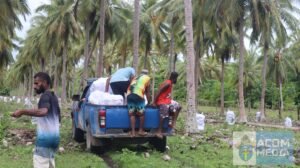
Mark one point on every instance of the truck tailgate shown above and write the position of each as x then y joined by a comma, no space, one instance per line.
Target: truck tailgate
117,117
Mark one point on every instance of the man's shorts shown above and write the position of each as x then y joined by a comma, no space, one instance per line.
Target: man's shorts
165,109
136,105
43,157
119,88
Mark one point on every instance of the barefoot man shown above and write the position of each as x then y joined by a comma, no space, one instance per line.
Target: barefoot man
136,103
165,103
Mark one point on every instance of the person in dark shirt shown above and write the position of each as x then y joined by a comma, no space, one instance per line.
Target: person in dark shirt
48,119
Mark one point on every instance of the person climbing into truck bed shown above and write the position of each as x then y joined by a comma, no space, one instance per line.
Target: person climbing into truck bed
120,80
136,103
165,103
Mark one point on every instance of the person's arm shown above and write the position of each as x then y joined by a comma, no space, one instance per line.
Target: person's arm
59,114
131,78
30,112
107,84
162,89
147,91
42,110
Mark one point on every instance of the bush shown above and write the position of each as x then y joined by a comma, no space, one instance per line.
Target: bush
4,91
4,124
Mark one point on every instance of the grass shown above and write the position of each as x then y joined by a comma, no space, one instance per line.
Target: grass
211,148
21,157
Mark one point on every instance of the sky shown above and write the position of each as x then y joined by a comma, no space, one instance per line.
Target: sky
32,4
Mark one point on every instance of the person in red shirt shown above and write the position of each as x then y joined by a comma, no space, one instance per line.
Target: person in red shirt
166,104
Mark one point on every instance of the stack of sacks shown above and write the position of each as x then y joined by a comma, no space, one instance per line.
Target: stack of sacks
99,85
102,98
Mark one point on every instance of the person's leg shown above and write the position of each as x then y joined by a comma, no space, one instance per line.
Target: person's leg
141,110
132,125
177,108
124,87
159,130
141,129
40,162
164,112
131,111
114,87
52,163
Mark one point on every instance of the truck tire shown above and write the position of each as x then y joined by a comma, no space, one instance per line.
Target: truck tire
77,134
93,144
159,144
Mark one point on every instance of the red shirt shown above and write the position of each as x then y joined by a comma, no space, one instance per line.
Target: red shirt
165,96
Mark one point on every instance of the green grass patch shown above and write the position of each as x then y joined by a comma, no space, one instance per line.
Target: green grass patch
211,148
21,157
76,159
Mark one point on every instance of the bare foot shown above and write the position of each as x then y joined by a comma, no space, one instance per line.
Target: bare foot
132,134
173,131
142,133
159,135
173,125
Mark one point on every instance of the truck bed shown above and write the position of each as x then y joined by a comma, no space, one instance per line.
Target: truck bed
117,121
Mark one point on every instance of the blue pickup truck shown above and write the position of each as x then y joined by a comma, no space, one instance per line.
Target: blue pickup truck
100,125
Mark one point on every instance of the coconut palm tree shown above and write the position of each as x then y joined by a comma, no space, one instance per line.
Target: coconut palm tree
102,34
136,28
237,12
63,26
86,14
275,18
278,67
173,14
152,31
223,38
9,20
191,123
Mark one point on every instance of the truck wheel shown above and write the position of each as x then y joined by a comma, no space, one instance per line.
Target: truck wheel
93,144
77,134
159,144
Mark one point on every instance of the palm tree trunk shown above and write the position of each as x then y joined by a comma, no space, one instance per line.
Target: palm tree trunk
242,116
124,56
42,62
153,85
145,60
86,56
26,85
191,123
263,85
136,28
172,56
174,61
102,33
55,85
30,82
196,66
222,87
298,112
281,98
64,75
51,63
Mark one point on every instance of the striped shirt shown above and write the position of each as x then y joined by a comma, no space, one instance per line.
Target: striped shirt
138,85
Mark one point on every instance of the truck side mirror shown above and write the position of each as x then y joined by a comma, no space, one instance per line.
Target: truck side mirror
76,97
